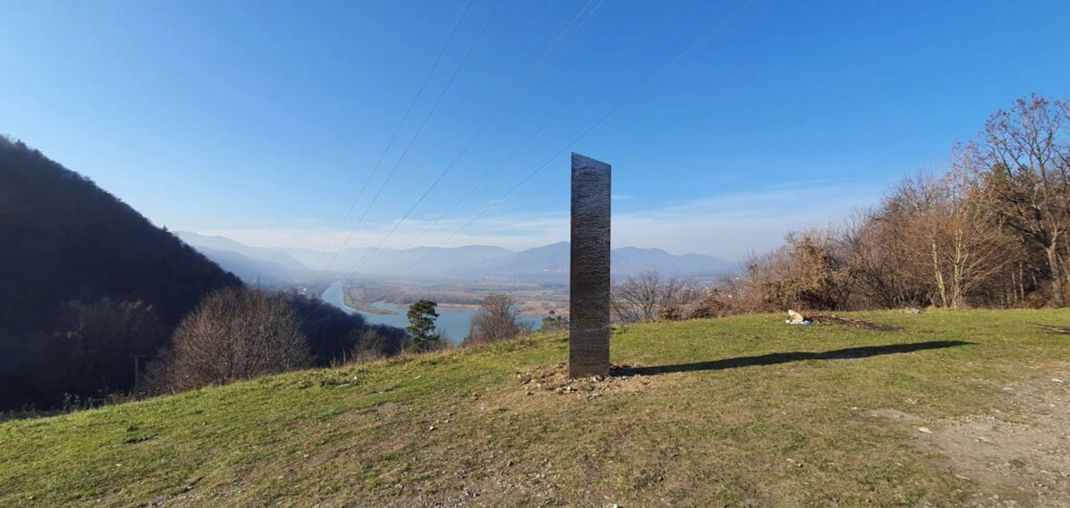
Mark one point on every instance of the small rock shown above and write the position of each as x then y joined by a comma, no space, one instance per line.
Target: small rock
925,430
431,428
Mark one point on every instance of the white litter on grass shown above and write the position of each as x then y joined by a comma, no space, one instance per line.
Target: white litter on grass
925,430
794,318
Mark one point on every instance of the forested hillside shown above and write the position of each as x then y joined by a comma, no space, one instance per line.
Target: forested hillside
91,291
88,286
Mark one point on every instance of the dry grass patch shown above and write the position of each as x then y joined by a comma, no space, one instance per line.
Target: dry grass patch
736,411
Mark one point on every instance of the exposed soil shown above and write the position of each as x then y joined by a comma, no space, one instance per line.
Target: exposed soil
554,379
1015,458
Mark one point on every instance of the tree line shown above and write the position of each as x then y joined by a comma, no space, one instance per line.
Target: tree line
993,230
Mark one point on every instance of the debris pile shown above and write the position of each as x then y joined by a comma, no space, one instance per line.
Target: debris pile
554,379
795,318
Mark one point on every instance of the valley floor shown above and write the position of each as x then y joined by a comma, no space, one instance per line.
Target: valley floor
952,408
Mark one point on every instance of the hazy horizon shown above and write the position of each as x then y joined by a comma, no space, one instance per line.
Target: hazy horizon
728,124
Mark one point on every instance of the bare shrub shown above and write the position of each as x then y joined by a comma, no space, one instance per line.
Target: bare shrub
369,346
233,334
808,272
496,320
649,297
726,297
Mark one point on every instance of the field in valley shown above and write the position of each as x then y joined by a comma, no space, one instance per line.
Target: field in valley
969,407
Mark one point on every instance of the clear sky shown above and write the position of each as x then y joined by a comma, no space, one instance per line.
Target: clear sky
262,120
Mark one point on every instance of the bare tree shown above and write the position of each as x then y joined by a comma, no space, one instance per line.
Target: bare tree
233,334
873,248
949,235
496,320
648,297
1026,172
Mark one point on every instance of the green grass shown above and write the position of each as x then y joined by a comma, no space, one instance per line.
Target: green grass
786,433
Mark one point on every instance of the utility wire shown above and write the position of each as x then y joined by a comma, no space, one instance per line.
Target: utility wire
505,162
390,144
579,18
702,39
423,123
419,130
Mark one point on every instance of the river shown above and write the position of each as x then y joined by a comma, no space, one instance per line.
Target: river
454,322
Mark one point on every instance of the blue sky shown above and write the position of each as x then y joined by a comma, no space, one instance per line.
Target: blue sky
261,120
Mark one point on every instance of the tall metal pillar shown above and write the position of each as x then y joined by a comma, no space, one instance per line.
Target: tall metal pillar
588,353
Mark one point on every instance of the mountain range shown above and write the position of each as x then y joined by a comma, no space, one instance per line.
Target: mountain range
548,263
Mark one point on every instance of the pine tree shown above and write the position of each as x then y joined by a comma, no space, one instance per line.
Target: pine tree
421,327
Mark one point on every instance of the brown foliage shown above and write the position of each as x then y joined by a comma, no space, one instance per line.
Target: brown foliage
808,272
369,345
1024,161
650,297
992,231
233,334
496,320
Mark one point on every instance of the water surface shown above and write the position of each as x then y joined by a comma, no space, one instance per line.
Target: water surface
454,322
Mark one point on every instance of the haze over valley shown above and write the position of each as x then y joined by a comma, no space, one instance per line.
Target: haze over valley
519,253
546,264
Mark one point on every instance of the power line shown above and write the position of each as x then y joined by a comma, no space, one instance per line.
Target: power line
397,131
597,76
635,92
576,21
512,154
423,123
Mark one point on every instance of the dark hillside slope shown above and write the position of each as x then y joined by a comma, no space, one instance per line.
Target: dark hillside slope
74,261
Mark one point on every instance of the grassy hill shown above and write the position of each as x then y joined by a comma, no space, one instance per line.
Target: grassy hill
951,408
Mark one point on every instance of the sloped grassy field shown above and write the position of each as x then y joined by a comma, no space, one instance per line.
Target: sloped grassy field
742,410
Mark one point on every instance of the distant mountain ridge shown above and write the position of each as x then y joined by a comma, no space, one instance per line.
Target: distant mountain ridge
251,264
548,263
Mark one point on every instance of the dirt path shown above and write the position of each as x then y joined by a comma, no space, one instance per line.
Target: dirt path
1013,458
